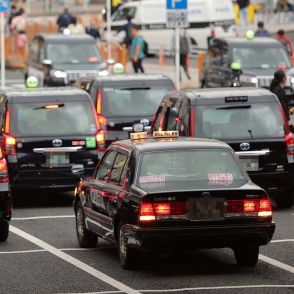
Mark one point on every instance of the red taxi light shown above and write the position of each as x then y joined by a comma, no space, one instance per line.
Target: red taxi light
151,211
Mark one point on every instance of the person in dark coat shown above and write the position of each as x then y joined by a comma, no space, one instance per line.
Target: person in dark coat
64,20
243,6
277,87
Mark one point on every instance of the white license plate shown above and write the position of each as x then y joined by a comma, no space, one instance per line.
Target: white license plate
57,160
250,163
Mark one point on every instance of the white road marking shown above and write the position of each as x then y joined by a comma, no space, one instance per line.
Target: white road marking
281,241
22,251
277,263
42,217
194,289
75,262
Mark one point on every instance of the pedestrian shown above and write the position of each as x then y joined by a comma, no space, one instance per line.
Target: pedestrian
137,49
285,41
64,20
76,28
18,27
185,50
128,34
243,14
261,31
93,30
277,87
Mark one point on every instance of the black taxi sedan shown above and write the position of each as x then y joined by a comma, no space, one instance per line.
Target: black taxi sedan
168,193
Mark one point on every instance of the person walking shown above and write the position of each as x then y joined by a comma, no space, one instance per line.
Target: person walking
185,49
243,14
64,20
285,41
137,49
277,87
261,31
76,28
128,35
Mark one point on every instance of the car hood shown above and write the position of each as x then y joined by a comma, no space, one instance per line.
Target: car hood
265,72
80,66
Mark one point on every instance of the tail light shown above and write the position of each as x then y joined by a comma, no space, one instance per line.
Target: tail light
9,145
3,171
289,139
102,121
253,207
99,102
162,210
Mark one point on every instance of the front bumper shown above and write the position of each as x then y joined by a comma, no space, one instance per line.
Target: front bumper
220,236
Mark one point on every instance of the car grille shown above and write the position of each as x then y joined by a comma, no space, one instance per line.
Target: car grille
265,81
72,76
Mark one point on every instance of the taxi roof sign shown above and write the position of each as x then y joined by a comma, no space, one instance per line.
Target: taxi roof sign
166,134
32,82
139,136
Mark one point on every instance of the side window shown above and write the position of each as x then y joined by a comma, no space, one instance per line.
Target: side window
93,92
118,167
159,119
105,166
33,53
184,118
41,52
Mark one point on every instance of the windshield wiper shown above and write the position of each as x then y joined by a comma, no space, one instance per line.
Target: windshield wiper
50,106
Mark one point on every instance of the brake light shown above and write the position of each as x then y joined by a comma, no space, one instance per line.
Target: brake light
9,145
289,140
3,171
162,210
99,102
100,139
7,120
253,207
103,122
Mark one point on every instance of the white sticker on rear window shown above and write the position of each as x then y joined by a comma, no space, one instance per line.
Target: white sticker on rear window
220,179
151,179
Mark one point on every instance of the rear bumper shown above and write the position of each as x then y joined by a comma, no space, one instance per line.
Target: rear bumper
199,237
58,179
274,181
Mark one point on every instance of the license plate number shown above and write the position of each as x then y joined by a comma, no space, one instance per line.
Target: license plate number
207,209
57,160
250,164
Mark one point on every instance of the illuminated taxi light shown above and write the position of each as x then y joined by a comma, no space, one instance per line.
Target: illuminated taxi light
32,82
139,136
53,106
166,134
265,213
250,35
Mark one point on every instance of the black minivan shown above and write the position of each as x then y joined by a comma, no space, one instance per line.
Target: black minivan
122,100
50,137
250,120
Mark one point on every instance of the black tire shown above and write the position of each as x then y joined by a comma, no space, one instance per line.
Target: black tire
284,201
4,230
129,259
86,238
247,256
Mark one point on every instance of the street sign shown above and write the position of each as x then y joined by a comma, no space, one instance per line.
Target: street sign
176,4
177,19
4,5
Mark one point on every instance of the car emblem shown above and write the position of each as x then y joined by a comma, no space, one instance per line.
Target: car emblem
245,146
206,195
57,142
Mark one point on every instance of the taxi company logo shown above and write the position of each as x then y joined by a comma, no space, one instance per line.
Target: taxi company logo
245,146
57,143
206,195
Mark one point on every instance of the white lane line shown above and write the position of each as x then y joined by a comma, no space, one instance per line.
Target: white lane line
75,262
194,289
42,217
22,251
277,263
281,241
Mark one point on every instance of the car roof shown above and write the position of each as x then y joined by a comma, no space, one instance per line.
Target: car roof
60,38
257,41
18,95
132,77
163,144
217,95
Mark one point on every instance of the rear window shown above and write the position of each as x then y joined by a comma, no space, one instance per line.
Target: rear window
189,170
254,121
133,101
62,118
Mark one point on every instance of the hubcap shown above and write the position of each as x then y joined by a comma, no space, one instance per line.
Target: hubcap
80,220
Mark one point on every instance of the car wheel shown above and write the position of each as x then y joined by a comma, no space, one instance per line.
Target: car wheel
128,257
247,256
86,238
284,201
4,230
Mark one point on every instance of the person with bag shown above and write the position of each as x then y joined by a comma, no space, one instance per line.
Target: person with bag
137,50
285,41
184,52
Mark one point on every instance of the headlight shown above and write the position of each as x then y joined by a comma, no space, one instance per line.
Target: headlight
248,79
58,74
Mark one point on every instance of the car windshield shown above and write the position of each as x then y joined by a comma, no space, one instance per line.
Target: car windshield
261,58
133,101
254,121
62,118
73,53
123,13
189,170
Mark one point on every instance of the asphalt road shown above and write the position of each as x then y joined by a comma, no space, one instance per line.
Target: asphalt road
42,256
